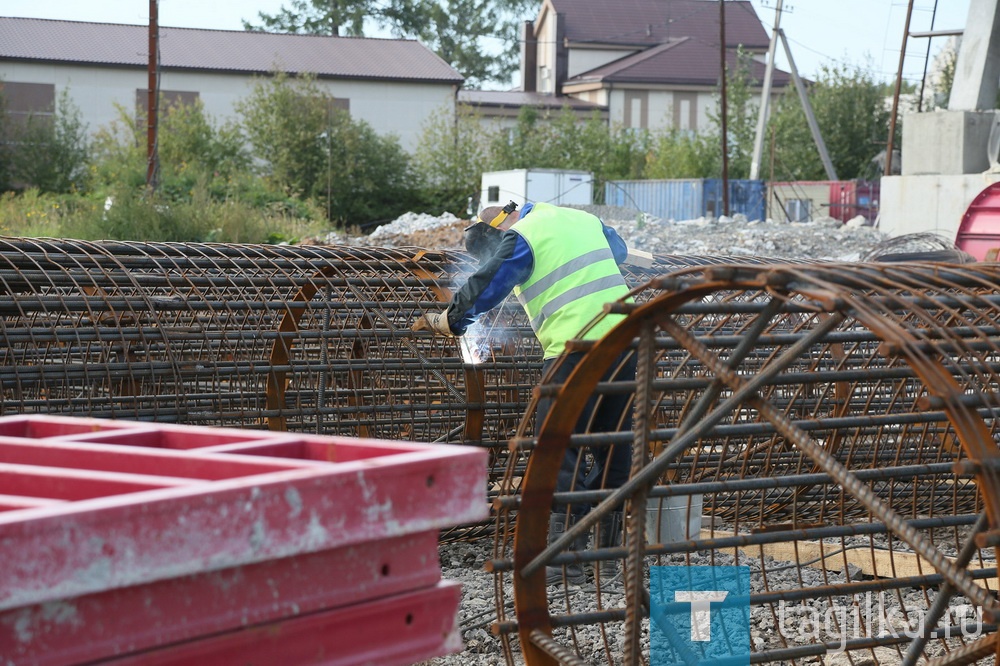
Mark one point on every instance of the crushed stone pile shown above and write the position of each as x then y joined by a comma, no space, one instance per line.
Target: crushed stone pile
822,239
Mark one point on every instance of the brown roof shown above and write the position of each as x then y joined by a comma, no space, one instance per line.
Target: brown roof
648,22
518,98
686,61
231,51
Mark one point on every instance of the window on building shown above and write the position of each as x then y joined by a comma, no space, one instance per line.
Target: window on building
686,111
28,100
636,109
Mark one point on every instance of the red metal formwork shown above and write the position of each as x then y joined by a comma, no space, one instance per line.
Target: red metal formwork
121,538
979,231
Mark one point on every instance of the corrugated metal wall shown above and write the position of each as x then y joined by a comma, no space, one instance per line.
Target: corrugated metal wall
665,199
686,199
746,197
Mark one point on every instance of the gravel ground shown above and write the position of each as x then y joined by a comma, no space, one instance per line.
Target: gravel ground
823,239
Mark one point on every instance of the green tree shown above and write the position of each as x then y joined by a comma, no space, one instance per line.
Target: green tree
741,119
684,154
51,152
564,141
451,155
479,38
312,150
942,75
851,114
192,150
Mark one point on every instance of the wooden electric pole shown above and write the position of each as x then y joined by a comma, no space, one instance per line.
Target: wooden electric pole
887,170
152,160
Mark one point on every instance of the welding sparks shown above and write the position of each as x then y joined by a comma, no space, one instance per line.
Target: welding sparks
475,344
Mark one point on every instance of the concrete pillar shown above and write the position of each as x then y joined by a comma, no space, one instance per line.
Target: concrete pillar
977,70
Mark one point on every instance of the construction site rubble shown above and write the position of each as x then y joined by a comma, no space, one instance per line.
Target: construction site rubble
824,238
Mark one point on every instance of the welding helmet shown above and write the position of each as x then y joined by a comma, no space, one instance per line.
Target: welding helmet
482,237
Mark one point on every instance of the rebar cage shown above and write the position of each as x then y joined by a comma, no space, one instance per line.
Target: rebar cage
301,338
831,427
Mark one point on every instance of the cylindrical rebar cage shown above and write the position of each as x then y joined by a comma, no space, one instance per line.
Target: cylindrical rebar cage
829,427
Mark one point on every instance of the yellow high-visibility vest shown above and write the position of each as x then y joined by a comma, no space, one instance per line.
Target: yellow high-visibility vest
573,276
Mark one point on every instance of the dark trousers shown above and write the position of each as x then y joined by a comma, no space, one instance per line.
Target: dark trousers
607,413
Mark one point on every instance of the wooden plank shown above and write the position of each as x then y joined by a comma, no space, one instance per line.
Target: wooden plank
832,557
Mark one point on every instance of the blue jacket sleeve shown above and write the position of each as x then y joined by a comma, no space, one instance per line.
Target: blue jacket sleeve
489,286
618,246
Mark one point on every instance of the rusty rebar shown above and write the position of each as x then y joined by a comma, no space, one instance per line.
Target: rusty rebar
832,426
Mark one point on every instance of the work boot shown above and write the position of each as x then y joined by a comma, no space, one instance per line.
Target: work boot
609,535
573,572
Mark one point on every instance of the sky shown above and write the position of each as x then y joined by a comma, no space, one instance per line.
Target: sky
864,33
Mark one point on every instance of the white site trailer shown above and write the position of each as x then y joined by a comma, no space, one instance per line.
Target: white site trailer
556,186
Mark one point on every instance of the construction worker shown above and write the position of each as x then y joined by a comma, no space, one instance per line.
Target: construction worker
562,264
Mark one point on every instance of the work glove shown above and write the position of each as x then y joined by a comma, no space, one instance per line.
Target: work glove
435,322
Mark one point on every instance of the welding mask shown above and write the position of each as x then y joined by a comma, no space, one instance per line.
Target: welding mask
482,240
482,237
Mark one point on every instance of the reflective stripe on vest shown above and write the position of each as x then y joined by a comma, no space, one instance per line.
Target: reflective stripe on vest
573,275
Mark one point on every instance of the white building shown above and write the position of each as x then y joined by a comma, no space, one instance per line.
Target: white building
391,84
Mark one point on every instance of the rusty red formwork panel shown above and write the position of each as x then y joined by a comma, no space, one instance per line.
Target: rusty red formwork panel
122,538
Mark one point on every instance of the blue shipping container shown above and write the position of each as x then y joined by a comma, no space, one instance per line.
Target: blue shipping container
665,199
688,199
747,197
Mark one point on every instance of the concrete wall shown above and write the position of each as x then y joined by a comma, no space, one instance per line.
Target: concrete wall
390,108
929,204
946,142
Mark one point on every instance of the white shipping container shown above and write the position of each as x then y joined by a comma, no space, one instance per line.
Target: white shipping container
555,186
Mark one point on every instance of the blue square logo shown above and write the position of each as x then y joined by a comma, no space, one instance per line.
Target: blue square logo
699,614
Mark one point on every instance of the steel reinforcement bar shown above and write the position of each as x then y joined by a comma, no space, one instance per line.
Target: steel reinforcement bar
830,427
302,338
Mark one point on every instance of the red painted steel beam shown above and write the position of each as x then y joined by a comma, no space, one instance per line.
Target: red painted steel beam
113,542
135,460
399,630
117,622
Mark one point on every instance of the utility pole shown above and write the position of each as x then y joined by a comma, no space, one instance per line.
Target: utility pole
824,156
152,160
765,97
724,110
887,171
